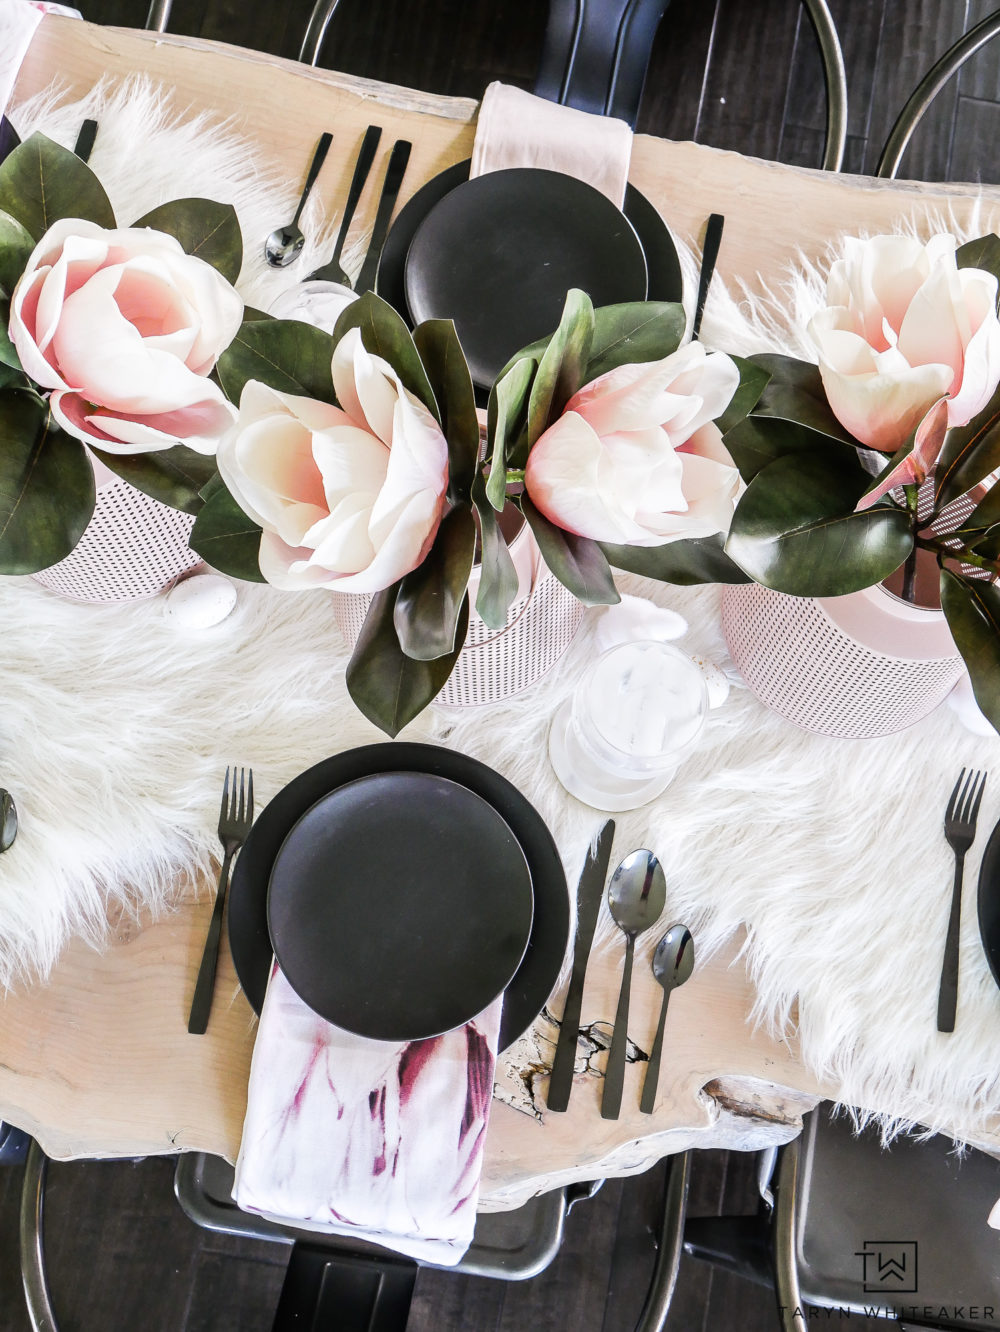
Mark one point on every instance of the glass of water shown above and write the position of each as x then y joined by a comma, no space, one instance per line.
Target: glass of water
617,742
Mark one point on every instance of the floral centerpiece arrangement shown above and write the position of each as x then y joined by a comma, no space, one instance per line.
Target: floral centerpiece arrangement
354,461
886,450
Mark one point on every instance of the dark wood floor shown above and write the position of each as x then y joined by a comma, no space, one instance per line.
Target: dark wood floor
740,74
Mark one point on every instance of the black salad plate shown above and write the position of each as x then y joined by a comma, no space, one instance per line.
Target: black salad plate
539,969
498,254
663,267
399,906
989,902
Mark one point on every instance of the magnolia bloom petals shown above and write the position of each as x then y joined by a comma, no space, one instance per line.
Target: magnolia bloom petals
636,458
129,375
568,483
288,567
903,312
24,311
340,507
366,386
916,466
679,394
982,374
935,328
403,546
125,327
417,464
883,410
642,472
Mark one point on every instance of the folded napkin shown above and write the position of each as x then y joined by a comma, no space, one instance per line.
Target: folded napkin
369,1139
517,129
18,21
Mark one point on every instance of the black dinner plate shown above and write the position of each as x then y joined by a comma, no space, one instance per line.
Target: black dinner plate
399,906
539,969
988,902
662,264
499,253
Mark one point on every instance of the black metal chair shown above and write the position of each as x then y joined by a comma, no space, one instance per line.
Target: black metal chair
851,1227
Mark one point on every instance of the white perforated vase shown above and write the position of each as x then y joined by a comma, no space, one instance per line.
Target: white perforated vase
496,663
133,546
866,664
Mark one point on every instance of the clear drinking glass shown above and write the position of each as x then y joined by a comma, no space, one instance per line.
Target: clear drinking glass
617,742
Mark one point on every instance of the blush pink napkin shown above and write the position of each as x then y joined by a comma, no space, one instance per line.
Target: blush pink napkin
368,1139
517,129
18,21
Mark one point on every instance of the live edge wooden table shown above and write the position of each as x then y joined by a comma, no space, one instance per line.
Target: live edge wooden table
97,1062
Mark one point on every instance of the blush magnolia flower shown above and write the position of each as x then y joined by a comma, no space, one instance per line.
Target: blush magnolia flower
636,459
124,328
349,497
904,326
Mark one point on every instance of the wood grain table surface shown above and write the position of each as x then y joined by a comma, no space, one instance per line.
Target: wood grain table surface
97,1062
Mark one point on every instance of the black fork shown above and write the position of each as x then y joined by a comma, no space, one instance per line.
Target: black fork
960,831
235,821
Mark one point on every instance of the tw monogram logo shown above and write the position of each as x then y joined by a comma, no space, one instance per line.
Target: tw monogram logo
890,1266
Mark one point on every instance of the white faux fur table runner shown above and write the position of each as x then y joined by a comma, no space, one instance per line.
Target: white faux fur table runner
115,730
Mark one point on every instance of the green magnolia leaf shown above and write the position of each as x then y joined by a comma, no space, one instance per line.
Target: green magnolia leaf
983,516
697,560
498,581
389,687
795,393
174,476
563,364
425,615
8,352
384,334
972,609
285,354
506,418
47,491
16,245
13,379
444,361
40,182
988,544
795,529
753,380
579,563
208,230
971,452
981,253
758,441
225,537
631,332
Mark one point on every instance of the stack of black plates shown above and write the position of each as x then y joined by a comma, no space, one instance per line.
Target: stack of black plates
498,253
401,888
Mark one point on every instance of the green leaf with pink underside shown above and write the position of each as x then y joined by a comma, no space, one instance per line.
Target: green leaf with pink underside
42,182
796,530
285,354
389,687
972,609
579,563
205,229
225,537
47,491
175,477
430,598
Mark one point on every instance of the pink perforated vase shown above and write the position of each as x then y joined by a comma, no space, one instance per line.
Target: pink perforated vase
133,546
496,663
861,665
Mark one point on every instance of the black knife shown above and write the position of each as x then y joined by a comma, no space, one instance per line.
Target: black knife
588,903
398,159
